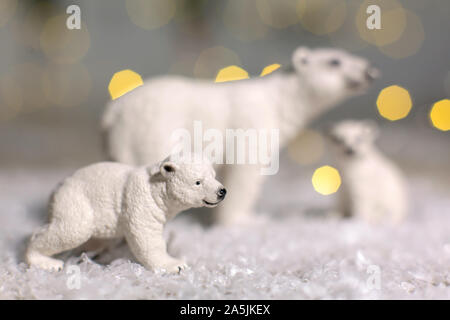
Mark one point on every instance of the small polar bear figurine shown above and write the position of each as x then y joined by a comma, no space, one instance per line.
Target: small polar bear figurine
137,127
373,188
110,200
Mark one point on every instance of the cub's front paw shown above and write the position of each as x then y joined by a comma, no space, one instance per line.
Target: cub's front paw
172,266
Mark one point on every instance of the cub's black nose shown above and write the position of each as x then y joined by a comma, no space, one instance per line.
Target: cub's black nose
221,193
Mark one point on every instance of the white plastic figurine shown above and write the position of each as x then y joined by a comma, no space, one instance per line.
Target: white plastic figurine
110,200
373,188
138,126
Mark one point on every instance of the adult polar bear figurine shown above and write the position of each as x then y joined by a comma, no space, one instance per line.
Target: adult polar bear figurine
137,127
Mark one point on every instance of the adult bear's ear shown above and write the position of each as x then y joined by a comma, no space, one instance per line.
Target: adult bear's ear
168,168
300,58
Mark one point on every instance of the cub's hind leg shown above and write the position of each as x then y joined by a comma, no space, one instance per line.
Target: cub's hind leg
71,225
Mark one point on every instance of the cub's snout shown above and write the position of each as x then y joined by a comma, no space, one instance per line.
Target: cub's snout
221,193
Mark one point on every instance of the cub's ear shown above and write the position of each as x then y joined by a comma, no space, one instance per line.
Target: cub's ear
168,168
300,57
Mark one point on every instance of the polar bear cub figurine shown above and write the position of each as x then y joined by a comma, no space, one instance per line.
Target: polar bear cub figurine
373,188
109,200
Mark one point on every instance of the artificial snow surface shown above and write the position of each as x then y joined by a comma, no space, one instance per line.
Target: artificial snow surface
290,255
294,251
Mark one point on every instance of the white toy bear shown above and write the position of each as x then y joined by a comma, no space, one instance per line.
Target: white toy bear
138,126
373,188
110,200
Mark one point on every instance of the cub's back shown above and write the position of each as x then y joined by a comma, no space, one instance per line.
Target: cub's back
101,183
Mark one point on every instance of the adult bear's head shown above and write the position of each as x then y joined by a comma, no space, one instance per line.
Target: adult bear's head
333,74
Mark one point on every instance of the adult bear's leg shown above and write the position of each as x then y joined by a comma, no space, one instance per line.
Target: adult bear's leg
243,183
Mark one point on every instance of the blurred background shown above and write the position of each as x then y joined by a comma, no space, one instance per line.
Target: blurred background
54,81
54,86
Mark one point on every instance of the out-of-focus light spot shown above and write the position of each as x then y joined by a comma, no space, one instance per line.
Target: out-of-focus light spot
61,44
326,180
150,14
440,115
278,14
322,16
213,59
393,22
32,22
394,103
242,20
7,10
66,85
308,148
269,69
28,77
231,73
123,82
11,98
347,36
409,42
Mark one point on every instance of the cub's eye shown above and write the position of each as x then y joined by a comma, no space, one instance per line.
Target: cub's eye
198,182
334,62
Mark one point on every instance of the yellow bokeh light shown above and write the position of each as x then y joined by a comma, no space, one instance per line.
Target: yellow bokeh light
393,22
231,73
307,148
123,82
61,44
409,42
394,103
269,69
278,14
150,14
66,85
326,180
321,16
7,10
440,115
243,21
212,59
